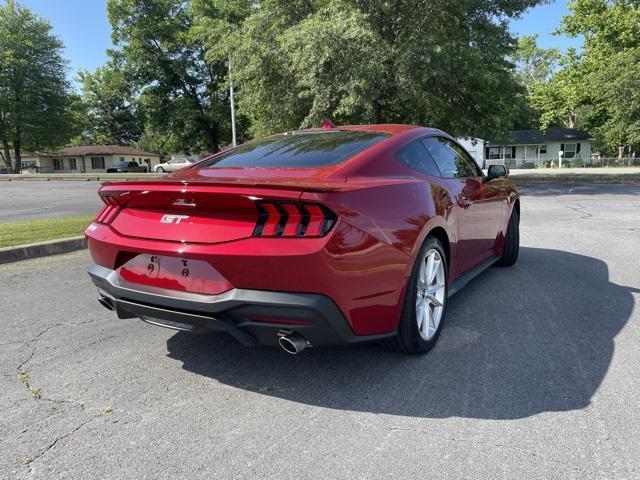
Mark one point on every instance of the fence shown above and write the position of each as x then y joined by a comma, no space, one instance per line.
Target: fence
566,163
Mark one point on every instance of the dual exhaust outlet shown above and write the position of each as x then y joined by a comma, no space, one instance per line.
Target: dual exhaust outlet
290,342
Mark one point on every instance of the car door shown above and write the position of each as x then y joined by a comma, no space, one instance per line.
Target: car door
181,164
477,211
173,165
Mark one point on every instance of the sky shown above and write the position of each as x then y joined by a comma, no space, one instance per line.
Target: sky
83,27
544,20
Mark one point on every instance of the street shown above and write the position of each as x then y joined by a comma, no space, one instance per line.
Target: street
30,200
535,374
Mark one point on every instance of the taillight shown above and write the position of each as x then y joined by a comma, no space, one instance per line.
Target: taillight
302,220
111,209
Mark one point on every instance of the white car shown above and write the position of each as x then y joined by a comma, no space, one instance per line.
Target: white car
172,165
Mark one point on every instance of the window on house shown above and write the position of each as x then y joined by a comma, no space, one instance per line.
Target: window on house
542,149
509,152
570,150
58,164
97,163
495,153
72,164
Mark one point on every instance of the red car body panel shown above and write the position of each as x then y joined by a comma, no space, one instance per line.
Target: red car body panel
384,211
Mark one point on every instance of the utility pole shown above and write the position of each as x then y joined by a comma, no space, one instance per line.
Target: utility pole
233,107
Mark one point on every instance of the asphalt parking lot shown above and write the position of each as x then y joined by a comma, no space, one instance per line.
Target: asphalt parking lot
535,375
30,200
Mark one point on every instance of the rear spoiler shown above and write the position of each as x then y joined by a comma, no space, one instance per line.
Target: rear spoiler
276,184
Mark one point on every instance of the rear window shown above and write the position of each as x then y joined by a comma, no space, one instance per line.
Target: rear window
298,150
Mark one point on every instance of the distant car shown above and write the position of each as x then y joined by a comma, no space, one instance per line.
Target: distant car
172,165
126,167
5,170
316,237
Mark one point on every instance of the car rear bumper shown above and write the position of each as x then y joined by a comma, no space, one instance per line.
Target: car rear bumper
253,317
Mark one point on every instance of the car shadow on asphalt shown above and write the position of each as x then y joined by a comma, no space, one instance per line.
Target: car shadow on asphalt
534,338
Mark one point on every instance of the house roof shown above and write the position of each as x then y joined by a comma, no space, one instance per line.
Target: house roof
536,137
103,150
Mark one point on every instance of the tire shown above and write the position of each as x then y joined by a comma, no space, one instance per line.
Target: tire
410,338
511,242
159,170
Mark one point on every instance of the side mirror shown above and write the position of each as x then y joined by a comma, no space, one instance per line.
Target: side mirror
497,171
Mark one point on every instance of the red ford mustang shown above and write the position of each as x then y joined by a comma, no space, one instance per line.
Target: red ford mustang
315,237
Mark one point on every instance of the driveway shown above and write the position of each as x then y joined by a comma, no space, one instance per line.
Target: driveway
535,376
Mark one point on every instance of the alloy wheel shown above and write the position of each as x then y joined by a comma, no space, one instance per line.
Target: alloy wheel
430,295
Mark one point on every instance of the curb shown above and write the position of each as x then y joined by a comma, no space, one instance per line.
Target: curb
42,249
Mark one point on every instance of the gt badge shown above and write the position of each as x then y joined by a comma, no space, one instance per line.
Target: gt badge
173,218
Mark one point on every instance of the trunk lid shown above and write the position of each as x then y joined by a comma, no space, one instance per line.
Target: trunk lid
208,209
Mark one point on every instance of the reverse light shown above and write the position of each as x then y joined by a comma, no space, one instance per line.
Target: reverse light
293,220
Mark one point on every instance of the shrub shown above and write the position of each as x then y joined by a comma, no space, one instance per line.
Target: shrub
576,162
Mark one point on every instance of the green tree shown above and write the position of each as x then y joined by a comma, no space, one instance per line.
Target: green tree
563,96
111,114
598,88
534,67
35,105
415,61
534,64
180,89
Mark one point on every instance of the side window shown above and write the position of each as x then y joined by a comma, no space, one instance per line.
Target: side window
452,161
416,157
471,165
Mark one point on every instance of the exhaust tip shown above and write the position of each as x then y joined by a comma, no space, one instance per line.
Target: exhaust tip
292,344
106,303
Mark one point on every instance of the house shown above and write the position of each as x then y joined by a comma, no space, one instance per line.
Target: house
86,159
529,148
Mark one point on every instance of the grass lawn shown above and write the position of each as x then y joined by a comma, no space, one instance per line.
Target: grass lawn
32,231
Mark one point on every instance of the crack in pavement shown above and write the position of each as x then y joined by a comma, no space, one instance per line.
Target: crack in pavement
23,374
581,209
29,461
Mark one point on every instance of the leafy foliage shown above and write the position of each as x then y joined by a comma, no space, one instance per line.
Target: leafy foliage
179,86
599,88
534,64
36,109
438,63
111,117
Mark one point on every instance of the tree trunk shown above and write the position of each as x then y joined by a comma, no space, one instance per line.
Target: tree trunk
213,137
6,152
17,146
621,151
376,112
379,19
